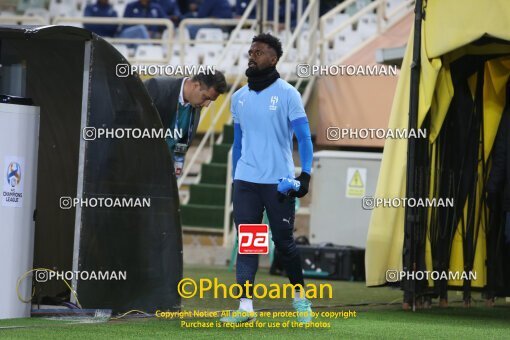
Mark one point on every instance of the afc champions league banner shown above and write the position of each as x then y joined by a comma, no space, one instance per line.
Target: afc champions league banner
12,188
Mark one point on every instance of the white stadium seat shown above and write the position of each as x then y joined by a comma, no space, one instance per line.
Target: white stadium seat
392,4
211,57
23,5
41,12
244,36
191,56
345,42
240,66
63,11
123,49
209,34
119,8
148,53
334,22
209,39
63,8
228,63
287,68
367,26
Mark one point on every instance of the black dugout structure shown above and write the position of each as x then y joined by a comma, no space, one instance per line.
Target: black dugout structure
70,74
458,166
455,85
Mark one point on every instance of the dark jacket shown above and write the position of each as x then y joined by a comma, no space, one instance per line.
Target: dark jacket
499,178
152,11
99,10
164,92
215,9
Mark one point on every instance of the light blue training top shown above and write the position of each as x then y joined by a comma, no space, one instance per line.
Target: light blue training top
265,120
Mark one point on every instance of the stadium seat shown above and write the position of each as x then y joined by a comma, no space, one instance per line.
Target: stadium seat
164,44
345,42
228,63
242,63
292,54
63,8
244,36
23,5
41,12
119,8
148,53
367,26
191,56
63,11
332,55
211,58
240,46
210,34
334,22
174,59
123,49
209,39
392,4
304,40
287,68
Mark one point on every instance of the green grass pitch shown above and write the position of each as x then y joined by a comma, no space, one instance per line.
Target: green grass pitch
378,315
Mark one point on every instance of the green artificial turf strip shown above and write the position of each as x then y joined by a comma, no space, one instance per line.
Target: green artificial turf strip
376,318
448,323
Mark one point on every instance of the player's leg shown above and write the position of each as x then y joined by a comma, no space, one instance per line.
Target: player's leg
248,209
281,220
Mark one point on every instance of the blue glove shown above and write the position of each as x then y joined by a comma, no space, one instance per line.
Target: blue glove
288,185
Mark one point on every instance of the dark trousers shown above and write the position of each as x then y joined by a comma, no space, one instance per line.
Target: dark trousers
249,200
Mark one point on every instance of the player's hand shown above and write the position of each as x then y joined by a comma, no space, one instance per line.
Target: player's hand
304,180
286,186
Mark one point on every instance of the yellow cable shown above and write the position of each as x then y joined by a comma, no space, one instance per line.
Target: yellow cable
22,277
129,312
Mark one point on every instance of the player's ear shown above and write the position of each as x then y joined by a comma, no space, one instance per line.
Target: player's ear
274,60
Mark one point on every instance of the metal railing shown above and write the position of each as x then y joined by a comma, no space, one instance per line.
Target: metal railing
383,21
210,131
23,20
166,43
184,40
228,203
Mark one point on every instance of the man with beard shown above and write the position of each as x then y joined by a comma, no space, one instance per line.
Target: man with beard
266,113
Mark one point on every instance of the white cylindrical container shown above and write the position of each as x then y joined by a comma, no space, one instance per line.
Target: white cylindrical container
19,141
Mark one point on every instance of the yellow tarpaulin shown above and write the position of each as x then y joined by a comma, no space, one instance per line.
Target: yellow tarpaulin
449,28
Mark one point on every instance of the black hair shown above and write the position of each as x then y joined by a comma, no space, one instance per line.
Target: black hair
271,41
214,79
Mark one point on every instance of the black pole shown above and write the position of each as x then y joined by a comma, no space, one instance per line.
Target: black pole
411,222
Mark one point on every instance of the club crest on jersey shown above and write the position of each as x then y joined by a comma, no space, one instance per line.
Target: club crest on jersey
274,101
